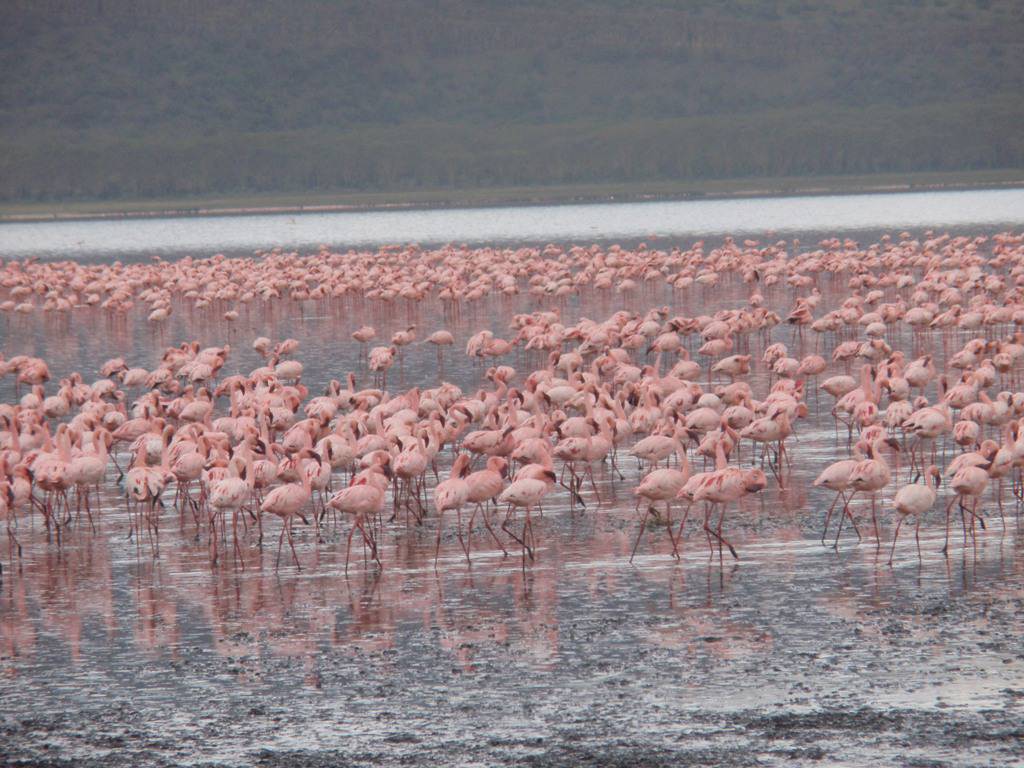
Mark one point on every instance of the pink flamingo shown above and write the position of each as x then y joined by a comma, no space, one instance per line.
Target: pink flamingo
230,494
144,485
914,500
87,470
485,486
452,494
872,475
364,500
287,501
969,482
724,486
836,477
662,485
526,492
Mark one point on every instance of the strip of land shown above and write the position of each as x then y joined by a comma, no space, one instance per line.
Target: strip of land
292,203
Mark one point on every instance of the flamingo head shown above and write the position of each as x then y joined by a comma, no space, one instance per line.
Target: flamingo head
754,480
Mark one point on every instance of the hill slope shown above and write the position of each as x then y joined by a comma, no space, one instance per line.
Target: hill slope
142,98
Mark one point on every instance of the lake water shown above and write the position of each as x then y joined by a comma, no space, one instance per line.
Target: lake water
203,236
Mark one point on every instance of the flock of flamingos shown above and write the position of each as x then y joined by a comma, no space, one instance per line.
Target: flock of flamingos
912,345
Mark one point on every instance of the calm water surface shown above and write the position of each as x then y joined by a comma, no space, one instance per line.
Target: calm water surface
203,236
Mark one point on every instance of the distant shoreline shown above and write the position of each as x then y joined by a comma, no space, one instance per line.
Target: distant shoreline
293,204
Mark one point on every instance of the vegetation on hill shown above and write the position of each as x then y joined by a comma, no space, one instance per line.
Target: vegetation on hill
123,99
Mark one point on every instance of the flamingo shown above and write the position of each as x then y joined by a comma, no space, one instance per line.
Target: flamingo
662,485
230,494
144,485
87,470
914,500
381,359
724,486
364,500
7,511
968,482
872,474
440,340
287,501
452,494
526,492
836,477
485,486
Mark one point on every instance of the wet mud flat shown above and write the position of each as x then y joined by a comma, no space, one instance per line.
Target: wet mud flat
795,656
848,737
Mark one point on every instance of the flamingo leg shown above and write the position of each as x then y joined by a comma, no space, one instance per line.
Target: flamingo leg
708,511
874,522
504,526
668,529
467,542
828,515
374,552
280,542
487,525
234,536
716,532
348,547
640,533
291,542
528,531
593,485
437,542
13,544
999,500
722,539
368,541
842,519
895,536
213,539
949,508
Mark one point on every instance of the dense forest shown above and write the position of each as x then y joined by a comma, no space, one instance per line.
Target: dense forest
120,99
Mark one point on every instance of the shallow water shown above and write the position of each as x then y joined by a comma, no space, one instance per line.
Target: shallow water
586,223
793,654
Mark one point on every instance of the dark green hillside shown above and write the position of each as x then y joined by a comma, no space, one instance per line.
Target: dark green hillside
141,98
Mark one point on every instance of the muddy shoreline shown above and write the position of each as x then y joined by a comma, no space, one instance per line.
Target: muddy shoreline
532,197
829,737
692,668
